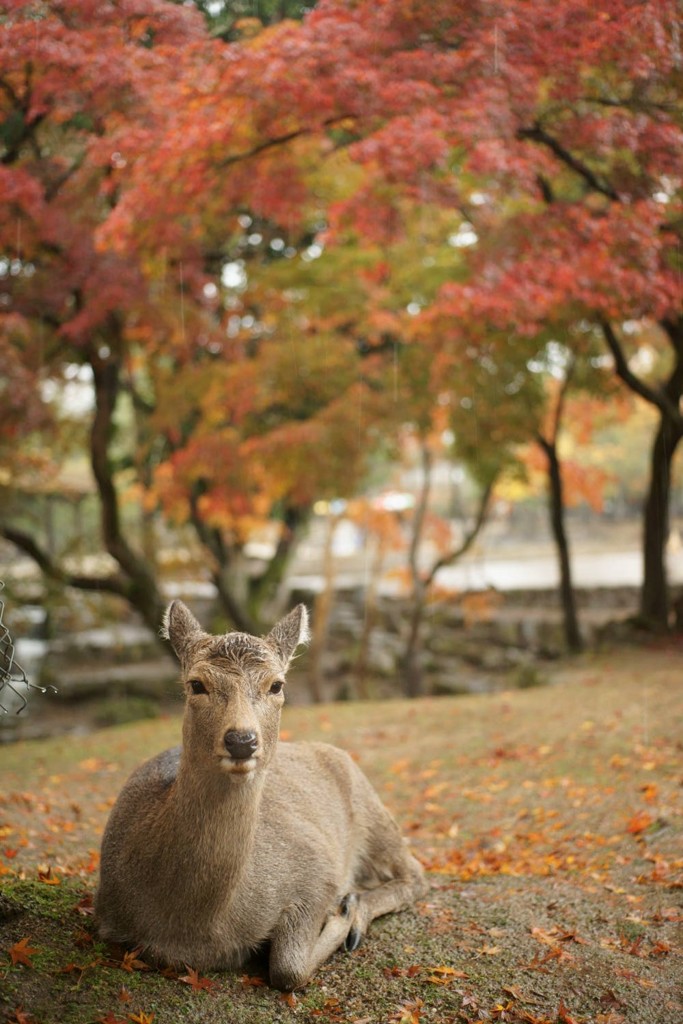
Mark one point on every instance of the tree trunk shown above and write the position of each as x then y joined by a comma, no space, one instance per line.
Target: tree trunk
251,603
412,668
135,581
322,611
412,664
422,581
142,591
362,689
572,632
654,597
666,398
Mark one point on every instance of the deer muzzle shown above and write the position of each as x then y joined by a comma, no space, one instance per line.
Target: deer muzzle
241,746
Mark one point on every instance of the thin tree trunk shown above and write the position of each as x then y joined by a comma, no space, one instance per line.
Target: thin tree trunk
654,596
422,581
412,667
572,632
135,581
369,622
322,610
548,445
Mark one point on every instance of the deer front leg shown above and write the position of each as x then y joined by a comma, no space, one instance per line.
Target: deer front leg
388,897
302,942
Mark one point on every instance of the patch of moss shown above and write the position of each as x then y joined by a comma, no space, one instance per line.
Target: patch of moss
20,896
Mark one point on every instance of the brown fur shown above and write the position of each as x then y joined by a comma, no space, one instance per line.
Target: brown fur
205,859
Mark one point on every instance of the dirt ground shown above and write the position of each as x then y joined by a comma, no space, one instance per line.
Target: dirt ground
548,820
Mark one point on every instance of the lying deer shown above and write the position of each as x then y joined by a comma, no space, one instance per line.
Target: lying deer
234,841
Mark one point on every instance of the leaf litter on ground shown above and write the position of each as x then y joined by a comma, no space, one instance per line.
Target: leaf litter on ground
548,820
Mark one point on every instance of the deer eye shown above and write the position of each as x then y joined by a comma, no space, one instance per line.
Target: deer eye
276,687
197,686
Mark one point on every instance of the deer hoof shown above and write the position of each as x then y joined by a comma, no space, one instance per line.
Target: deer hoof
348,904
353,940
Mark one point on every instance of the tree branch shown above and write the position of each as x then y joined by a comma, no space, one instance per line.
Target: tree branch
654,396
470,536
539,134
420,513
281,140
25,542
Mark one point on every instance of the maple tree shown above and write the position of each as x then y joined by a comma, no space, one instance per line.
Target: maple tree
72,76
196,409
550,130
547,137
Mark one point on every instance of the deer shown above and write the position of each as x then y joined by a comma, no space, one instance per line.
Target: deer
238,843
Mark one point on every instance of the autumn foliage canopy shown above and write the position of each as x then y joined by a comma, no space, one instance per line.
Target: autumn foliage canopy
294,240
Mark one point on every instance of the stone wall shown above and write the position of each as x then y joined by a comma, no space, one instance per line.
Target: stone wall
469,645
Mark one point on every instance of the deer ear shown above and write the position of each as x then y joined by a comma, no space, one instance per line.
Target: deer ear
180,627
291,631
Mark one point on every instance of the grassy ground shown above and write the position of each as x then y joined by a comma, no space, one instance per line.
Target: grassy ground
548,820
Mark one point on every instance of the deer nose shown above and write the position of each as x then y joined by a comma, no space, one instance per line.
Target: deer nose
240,745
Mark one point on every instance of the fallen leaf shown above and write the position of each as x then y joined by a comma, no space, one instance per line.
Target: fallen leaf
196,982
610,1000
402,972
252,982
639,822
86,906
20,1017
290,999
565,1016
131,962
45,875
83,938
449,972
409,1013
514,991
21,953
141,1018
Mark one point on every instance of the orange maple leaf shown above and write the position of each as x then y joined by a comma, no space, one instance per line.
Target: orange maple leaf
45,875
639,822
20,1017
141,1018
253,982
197,983
565,1016
131,962
21,953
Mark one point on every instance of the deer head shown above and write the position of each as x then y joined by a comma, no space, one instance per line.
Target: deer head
234,690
